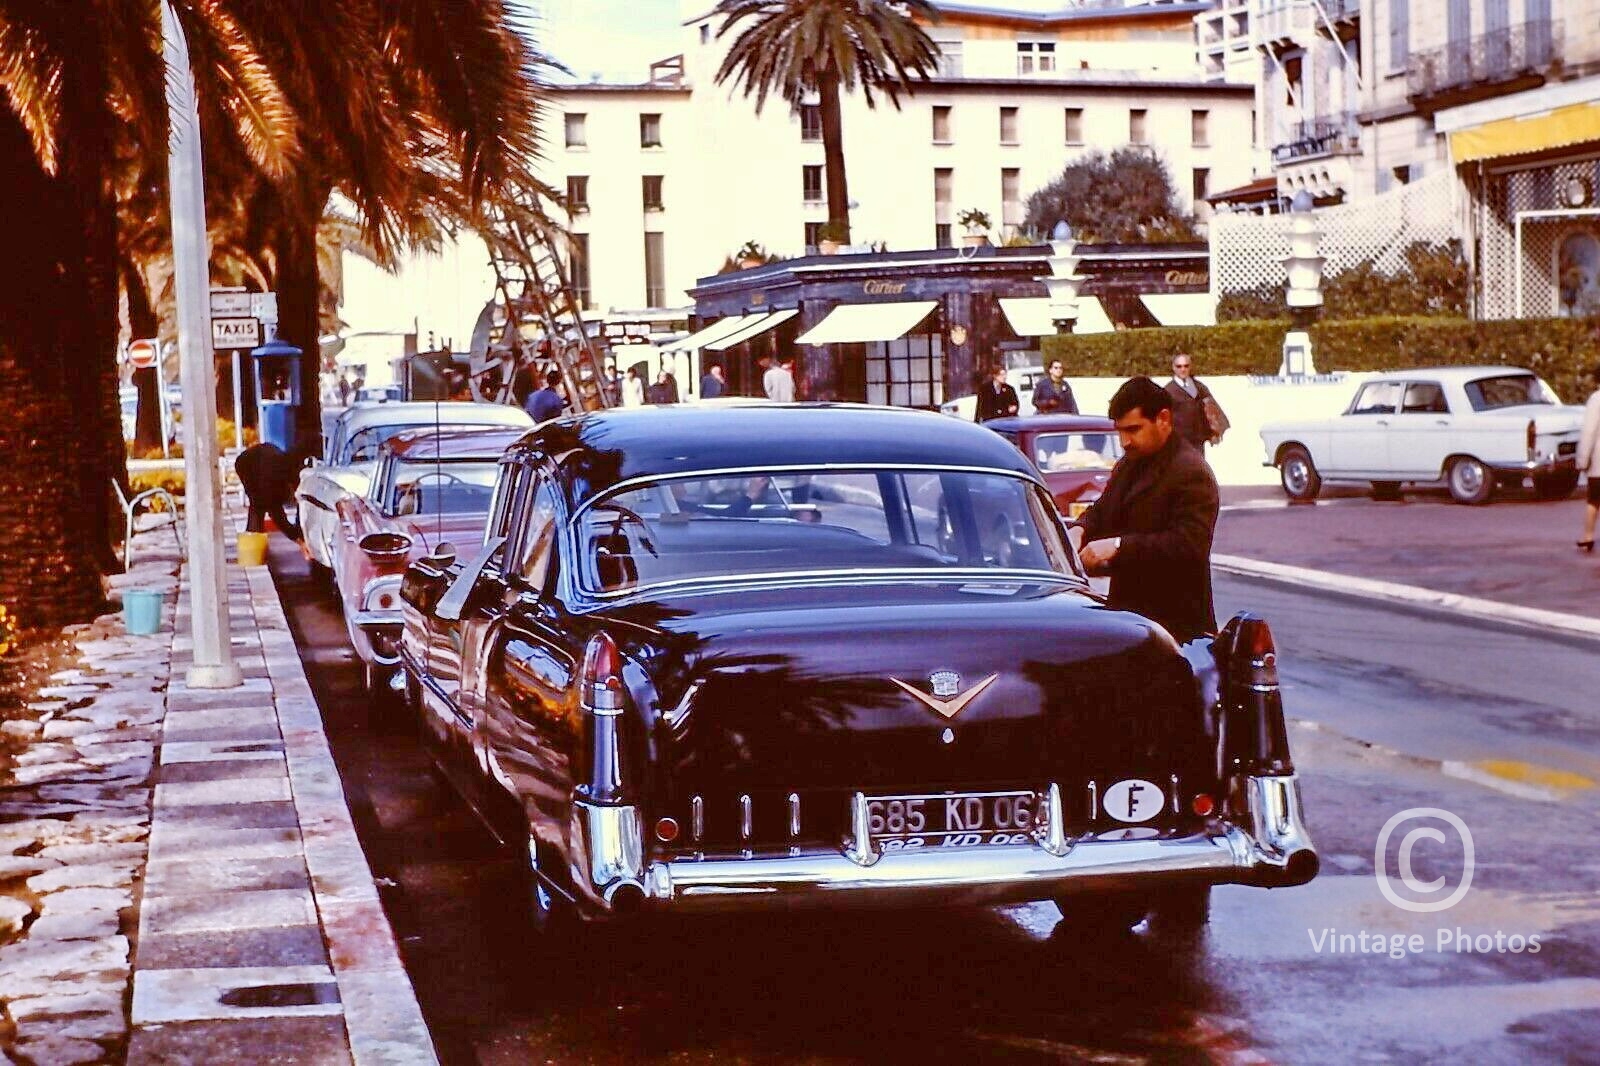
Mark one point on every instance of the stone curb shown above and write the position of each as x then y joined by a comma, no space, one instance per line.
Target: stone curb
1367,588
381,1013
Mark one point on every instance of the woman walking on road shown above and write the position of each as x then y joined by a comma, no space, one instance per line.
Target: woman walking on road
1589,460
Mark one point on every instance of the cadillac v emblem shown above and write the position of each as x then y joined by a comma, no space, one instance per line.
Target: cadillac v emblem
947,698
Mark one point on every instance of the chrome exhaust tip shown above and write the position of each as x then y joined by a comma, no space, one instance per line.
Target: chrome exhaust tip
625,898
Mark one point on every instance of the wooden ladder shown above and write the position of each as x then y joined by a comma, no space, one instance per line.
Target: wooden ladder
535,296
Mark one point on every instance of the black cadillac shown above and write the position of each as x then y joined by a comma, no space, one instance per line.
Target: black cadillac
738,657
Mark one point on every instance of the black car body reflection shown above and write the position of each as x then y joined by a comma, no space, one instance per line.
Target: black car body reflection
772,656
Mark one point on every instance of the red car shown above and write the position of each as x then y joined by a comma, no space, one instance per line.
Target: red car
1075,453
430,487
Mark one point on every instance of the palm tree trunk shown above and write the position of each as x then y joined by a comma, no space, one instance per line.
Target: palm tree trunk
833,153
142,323
298,288
48,568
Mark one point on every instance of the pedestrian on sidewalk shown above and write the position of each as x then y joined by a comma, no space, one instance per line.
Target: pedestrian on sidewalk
547,403
711,385
1152,527
269,476
1196,415
1589,460
778,381
664,391
996,398
1051,394
632,389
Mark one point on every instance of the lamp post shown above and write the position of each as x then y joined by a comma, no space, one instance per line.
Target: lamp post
191,253
1064,278
1304,293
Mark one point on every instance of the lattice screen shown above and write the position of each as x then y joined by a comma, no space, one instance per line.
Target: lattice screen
1247,250
1501,197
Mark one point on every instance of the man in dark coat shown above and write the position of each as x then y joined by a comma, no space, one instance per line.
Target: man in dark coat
1051,393
1151,529
711,385
1189,395
996,399
269,476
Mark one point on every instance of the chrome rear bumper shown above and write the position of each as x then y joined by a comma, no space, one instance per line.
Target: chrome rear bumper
1274,851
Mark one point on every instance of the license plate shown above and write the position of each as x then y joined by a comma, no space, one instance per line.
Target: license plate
1077,510
952,820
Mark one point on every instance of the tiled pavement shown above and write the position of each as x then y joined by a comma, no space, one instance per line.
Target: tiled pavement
260,933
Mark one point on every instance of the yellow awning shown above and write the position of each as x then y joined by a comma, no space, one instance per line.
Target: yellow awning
1572,124
1182,308
717,330
850,323
1030,316
751,329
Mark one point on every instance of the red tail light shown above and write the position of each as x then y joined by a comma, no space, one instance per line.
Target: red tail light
602,674
1258,652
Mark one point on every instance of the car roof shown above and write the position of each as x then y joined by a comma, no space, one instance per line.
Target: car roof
1050,423
1449,373
421,445
360,416
620,444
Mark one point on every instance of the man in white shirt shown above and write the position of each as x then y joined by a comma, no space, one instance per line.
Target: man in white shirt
779,381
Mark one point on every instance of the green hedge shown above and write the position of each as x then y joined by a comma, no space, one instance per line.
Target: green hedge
1561,350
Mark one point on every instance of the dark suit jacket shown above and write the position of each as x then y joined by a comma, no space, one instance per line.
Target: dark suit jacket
997,403
1165,510
1052,399
268,475
1188,417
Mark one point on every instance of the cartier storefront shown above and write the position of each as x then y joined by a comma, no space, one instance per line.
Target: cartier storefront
915,328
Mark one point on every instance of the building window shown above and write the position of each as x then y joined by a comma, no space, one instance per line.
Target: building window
1036,57
1008,125
652,192
943,236
813,234
810,122
578,269
907,372
655,270
577,193
1200,129
944,180
949,62
1402,174
649,131
1074,125
941,124
1136,126
1399,35
577,131
1200,187
811,183
1011,197
705,33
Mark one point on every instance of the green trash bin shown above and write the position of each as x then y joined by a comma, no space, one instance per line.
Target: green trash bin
141,611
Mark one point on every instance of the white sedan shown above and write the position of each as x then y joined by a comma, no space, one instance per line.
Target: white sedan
1471,427
1020,378
351,453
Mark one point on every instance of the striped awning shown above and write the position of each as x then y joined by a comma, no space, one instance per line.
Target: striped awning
717,330
1560,126
759,325
850,323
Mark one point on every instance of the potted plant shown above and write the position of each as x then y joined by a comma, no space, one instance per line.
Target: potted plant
832,237
750,254
976,222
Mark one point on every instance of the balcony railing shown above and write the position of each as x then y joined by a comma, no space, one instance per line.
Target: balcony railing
1324,136
1461,68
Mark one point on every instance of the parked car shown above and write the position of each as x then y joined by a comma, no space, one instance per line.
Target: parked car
1020,378
669,709
1074,453
429,489
1476,428
351,452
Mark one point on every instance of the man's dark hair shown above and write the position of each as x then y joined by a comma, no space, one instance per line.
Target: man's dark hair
1151,399
552,376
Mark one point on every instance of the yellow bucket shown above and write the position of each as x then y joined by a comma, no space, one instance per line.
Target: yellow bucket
252,549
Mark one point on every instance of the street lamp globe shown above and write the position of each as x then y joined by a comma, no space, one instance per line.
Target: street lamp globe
1062,232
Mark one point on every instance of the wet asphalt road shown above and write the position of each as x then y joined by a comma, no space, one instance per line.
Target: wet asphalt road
1393,711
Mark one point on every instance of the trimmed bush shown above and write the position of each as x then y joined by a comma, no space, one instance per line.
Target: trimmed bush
1560,350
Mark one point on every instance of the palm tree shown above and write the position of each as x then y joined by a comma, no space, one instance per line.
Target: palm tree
792,48
412,109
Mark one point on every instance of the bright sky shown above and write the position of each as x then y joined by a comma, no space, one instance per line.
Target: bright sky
619,39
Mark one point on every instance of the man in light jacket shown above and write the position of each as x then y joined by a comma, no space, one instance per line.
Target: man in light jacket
1589,460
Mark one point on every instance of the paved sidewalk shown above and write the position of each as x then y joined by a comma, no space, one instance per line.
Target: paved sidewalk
256,931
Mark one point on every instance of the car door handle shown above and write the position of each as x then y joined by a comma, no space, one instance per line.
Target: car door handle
1441,421
1381,422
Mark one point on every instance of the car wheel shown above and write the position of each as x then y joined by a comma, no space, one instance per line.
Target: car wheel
1298,474
1094,916
1386,490
1555,486
1470,482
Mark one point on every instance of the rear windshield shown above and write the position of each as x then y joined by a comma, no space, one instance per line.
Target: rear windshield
793,523
448,487
1508,390
362,447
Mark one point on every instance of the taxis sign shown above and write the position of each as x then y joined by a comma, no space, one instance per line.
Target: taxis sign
230,333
